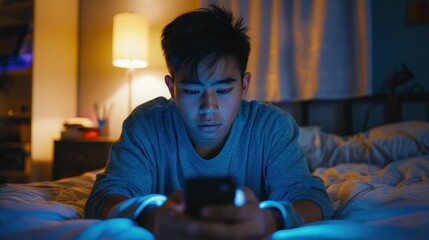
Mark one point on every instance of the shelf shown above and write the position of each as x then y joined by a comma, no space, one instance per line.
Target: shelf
23,145
19,117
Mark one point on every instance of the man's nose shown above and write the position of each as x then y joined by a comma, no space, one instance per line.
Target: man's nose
208,103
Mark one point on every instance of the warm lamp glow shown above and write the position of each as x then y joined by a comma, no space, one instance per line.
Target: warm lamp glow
130,40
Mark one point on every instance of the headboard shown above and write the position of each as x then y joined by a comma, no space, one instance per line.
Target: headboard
348,116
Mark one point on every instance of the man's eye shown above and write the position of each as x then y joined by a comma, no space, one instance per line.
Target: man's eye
224,91
191,91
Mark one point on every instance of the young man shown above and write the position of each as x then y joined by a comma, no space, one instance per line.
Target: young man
206,129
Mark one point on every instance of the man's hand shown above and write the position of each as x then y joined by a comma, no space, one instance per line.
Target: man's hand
231,222
170,221
218,222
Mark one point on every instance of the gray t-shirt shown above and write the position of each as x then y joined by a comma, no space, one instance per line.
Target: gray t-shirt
154,155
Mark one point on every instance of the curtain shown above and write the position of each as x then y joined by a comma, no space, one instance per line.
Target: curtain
306,49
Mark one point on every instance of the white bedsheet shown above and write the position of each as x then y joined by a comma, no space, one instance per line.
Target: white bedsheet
394,198
54,210
373,202
370,201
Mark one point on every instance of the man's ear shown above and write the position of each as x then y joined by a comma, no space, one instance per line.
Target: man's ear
170,84
245,83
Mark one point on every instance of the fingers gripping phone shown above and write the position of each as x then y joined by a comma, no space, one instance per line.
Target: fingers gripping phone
200,192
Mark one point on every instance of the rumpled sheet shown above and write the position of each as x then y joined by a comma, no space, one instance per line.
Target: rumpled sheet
373,202
54,210
370,202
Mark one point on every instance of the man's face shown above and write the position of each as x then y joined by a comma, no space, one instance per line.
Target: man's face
209,105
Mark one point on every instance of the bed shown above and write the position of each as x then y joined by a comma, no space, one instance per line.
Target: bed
378,182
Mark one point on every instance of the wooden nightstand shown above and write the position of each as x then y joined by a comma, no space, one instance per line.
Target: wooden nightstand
73,157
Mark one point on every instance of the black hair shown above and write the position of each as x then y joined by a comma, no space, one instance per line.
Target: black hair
208,34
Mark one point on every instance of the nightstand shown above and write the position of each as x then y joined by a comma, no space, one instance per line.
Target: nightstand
73,157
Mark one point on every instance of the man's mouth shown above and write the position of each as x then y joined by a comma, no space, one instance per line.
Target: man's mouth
209,126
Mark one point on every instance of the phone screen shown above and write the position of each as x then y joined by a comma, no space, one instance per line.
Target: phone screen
200,192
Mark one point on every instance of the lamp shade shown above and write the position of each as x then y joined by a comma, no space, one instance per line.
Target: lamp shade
130,40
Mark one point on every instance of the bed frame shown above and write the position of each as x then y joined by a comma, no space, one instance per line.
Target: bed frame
349,116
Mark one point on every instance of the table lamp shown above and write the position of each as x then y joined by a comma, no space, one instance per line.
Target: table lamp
130,45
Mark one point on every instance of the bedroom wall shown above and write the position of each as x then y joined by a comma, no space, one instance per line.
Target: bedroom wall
99,81
54,91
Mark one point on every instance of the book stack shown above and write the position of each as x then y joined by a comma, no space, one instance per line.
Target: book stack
79,128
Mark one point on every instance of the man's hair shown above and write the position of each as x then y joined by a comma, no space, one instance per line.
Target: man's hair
208,34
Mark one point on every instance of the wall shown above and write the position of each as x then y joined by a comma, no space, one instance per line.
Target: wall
54,92
395,42
99,81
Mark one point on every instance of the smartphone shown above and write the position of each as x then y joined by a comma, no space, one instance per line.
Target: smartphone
200,192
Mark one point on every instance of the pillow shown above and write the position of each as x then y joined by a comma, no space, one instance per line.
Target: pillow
380,145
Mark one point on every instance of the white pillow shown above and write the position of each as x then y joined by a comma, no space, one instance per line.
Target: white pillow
380,145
